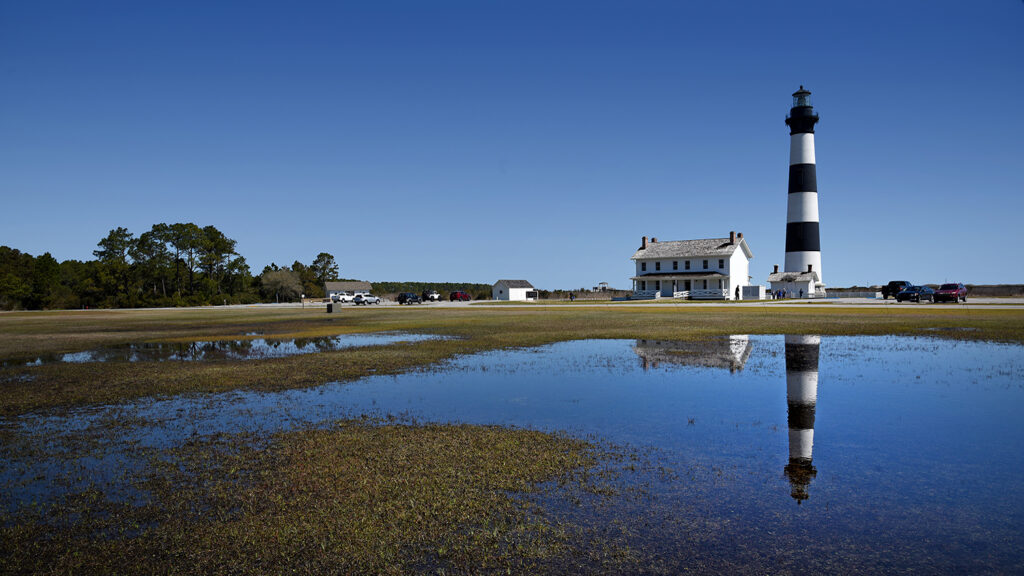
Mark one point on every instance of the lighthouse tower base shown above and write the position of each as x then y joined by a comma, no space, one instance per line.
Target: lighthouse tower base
799,266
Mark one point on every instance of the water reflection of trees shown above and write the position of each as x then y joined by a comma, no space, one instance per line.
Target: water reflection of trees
196,351
801,402
319,344
254,349
189,351
726,353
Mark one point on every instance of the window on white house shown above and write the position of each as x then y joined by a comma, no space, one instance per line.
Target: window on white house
657,265
675,264
657,284
705,284
687,265
721,264
643,284
705,264
643,266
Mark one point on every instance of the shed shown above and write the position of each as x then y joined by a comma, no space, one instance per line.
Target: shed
794,284
519,290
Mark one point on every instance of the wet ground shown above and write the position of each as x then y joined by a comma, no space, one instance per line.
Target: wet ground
796,453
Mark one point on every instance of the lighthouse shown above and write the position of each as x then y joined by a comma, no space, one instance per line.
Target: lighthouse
803,247
801,401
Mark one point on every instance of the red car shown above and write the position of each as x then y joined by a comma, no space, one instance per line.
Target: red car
460,296
951,293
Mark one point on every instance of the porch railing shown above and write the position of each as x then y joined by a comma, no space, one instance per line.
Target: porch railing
710,294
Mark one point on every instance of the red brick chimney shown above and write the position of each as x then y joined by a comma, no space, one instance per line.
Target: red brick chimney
776,269
739,235
643,243
654,240
809,266
732,237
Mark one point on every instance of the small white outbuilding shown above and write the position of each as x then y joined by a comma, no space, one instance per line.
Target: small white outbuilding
520,290
796,284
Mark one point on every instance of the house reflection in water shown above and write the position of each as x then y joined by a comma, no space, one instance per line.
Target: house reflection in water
728,353
801,398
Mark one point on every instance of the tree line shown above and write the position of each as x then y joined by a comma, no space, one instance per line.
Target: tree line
179,264
475,291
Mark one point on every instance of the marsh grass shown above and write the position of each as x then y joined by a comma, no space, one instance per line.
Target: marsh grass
359,497
26,389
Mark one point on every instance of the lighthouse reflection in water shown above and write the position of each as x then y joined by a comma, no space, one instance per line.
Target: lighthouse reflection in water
801,399
801,388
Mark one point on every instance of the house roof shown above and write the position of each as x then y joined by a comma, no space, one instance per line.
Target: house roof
711,247
793,277
514,283
348,285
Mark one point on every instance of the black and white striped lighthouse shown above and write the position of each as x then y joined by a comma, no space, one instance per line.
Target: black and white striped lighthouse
803,247
801,402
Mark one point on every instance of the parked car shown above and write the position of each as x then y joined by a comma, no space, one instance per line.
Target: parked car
895,287
952,292
431,296
344,297
409,298
366,299
459,296
916,294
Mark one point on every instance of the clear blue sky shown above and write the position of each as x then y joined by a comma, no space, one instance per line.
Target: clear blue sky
471,141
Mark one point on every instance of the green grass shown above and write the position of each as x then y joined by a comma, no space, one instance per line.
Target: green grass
359,498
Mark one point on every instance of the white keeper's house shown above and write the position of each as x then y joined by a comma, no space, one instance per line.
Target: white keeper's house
707,269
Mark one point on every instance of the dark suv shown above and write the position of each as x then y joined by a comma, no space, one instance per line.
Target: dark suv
954,292
460,296
893,288
408,298
916,294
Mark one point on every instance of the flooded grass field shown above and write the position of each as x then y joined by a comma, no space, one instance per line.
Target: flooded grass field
753,454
